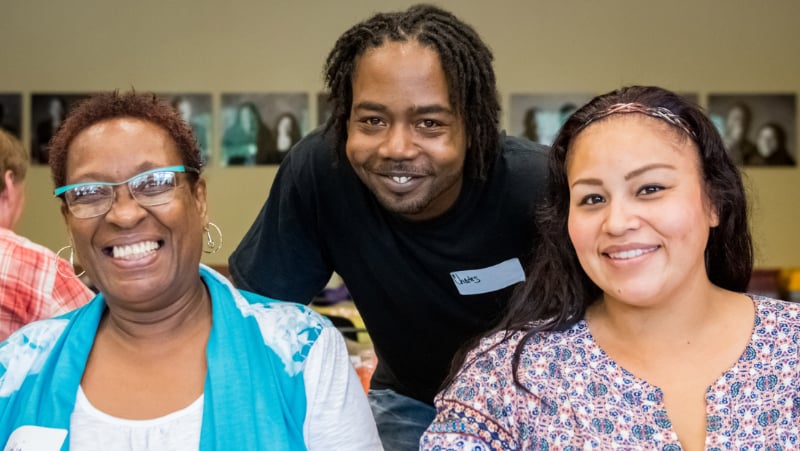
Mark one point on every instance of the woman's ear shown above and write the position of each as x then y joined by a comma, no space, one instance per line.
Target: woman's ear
200,198
712,211
714,217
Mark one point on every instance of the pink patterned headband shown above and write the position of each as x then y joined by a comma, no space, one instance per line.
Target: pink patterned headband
657,112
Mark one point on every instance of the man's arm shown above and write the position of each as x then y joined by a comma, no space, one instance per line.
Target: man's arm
281,256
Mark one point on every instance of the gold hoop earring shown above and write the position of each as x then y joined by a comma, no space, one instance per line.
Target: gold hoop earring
71,261
212,245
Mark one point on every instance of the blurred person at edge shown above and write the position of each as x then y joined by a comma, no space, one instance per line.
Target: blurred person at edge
34,282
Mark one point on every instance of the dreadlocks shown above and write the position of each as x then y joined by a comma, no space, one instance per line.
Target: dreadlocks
465,59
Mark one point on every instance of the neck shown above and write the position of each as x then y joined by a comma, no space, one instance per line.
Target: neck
5,222
184,317
666,324
11,201
8,214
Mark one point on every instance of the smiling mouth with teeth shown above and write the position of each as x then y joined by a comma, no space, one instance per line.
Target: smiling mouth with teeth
133,251
401,179
630,254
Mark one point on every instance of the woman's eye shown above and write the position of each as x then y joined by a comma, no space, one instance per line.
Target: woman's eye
88,195
428,123
154,183
650,189
374,121
592,199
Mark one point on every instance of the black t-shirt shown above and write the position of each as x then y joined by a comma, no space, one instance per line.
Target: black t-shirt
406,278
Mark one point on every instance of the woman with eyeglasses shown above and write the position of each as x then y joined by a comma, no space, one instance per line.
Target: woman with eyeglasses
169,355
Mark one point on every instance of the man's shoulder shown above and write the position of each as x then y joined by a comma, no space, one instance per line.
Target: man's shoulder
314,147
522,169
314,161
523,150
23,248
9,238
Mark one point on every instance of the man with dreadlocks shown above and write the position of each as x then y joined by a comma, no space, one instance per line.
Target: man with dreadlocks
412,195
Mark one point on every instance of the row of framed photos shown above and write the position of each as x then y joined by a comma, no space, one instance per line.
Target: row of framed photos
757,129
259,128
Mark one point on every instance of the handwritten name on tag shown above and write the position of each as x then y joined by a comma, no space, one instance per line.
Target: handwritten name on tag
486,280
35,438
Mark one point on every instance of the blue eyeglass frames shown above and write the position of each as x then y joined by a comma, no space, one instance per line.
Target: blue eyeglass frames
150,188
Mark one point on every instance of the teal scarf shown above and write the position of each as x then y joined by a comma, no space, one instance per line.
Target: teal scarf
254,396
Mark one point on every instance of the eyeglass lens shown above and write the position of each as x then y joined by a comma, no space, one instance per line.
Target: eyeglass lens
151,189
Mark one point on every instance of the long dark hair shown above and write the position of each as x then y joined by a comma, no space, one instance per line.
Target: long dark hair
467,65
557,291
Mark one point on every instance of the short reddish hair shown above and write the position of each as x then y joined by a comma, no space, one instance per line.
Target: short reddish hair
110,105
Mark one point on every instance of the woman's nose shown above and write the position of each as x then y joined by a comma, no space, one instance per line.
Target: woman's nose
621,216
125,209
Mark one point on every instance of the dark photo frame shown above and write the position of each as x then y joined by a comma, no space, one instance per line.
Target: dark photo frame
195,109
11,113
260,128
47,113
758,129
538,117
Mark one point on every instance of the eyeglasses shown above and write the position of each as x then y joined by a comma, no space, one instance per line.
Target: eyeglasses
150,188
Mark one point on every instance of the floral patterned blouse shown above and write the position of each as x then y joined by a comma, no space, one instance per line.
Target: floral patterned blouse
581,399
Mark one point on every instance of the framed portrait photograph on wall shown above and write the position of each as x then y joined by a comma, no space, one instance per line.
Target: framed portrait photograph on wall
538,117
758,129
195,109
11,113
47,113
259,128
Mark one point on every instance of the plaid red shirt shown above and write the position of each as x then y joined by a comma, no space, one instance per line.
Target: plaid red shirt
30,287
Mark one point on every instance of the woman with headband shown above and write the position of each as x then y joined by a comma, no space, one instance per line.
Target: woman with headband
632,330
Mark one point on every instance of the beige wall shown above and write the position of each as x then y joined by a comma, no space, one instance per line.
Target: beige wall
722,46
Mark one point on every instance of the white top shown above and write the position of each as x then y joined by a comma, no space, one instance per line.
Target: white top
91,429
328,401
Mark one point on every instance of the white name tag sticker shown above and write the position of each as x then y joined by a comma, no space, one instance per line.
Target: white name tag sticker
35,438
486,280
